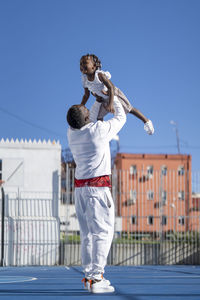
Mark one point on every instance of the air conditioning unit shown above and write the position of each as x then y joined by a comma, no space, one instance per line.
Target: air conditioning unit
131,201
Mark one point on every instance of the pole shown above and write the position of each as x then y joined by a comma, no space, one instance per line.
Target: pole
177,140
2,225
177,135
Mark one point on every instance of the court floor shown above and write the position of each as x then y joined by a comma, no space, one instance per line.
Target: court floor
134,282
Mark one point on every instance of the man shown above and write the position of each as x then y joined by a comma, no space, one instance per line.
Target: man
89,143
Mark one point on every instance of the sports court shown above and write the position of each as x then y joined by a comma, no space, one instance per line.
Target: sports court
134,282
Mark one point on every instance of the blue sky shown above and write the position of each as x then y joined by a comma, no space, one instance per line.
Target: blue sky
151,48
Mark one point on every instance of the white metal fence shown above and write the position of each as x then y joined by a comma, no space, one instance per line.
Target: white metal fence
157,218
157,221
29,229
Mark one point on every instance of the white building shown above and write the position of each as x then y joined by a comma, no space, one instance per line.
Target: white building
31,174
30,165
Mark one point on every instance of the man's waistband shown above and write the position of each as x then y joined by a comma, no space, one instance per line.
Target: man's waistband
100,181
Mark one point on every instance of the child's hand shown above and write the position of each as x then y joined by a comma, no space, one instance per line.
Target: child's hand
105,92
148,127
93,94
98,98
110,108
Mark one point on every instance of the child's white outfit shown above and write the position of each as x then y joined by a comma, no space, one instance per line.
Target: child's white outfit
94,204
96,87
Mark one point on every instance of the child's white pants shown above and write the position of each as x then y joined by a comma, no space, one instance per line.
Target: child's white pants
95,212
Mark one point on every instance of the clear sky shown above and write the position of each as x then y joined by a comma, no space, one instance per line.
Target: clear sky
151,48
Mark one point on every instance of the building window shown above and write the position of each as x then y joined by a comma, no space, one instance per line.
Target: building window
133,170
181,220
150,195
150,220
133,196
164,197
134,220
164,170
0,169
150,171
164,220
181,171
181,195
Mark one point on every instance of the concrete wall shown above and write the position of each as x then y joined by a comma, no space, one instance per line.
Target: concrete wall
139,254
31,165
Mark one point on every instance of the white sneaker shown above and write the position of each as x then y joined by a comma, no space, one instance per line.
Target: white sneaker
87,283
106,281
101,287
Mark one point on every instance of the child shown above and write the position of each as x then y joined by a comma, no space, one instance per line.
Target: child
98,82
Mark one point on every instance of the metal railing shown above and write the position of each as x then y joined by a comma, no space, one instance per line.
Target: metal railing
30,228
157,221
157,218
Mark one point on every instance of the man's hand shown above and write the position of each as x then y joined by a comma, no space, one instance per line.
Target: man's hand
148,127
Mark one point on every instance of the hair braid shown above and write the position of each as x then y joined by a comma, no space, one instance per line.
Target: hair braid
95,59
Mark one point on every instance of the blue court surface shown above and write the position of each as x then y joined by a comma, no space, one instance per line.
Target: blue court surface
137,283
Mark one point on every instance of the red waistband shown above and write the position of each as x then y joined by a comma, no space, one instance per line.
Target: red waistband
100,181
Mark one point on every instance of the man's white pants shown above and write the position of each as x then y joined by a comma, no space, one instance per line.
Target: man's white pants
95,212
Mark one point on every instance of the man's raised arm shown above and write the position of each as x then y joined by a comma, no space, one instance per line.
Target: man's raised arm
94,111
109,129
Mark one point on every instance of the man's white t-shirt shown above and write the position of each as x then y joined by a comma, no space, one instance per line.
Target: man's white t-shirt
90,144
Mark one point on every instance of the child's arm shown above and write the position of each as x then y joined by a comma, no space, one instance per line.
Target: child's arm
148,125
138,114
85,96
110,88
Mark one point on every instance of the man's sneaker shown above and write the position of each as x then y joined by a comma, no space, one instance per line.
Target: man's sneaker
101,287
86,284
105,280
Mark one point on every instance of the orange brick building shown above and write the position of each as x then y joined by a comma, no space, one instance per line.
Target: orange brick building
154,192
195,213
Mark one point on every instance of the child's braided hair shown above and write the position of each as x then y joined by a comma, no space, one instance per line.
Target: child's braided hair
95,59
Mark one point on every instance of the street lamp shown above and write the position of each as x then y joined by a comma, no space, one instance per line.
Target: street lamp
177,134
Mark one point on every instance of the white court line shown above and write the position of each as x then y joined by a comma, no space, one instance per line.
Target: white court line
163,276
12,279
67,268
125,277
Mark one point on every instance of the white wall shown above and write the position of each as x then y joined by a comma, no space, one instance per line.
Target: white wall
31,165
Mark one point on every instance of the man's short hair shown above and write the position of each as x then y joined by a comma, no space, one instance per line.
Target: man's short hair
75,118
